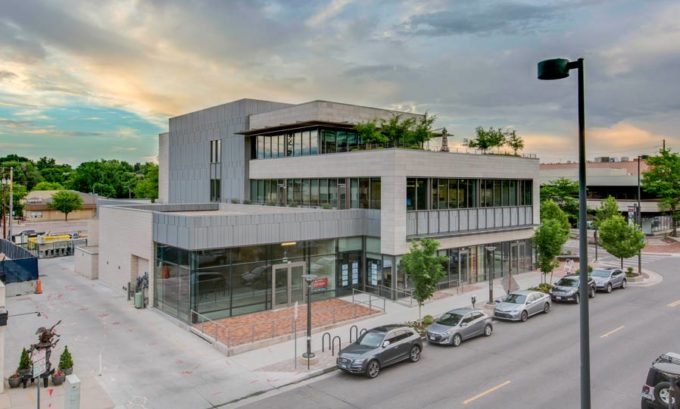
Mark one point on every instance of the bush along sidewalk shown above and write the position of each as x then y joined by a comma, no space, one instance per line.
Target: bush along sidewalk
66,361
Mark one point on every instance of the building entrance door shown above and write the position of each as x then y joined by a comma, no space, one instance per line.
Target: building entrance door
287,284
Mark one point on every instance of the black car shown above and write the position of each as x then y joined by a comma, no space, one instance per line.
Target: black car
658,388
566,289
378,348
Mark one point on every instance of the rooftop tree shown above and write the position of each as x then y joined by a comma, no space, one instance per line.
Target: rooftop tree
486,139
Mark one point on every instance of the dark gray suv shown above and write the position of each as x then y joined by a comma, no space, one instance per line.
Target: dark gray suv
378,348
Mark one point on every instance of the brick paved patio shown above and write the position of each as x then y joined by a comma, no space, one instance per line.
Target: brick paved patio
269,324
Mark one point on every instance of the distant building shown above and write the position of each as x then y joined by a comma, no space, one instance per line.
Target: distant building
36,207
607,176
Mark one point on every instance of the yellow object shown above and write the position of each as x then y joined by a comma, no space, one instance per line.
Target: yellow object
32,241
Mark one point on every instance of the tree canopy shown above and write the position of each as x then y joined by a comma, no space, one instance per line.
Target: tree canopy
549,239
66,202
608,208
486,139
425,268
663,180
621,239
397,131
564,192
551,211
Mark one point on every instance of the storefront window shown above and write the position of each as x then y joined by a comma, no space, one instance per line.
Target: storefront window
314,142
375,193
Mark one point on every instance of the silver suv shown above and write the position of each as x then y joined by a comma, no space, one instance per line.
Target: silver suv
458,325
378,348
606,279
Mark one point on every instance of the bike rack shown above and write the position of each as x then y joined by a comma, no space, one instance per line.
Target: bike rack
333,344
363,331
356,333
323,344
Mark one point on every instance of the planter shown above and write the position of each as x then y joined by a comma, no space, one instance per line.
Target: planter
25,372
58,379
14,381
67,371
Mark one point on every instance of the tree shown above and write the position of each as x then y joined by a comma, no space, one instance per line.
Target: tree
48,186
550,210
663,180
425,268
104,189
608,208
549,239
564,192
515,142
370,134
621,239
147,186
18,194
421,132
486,139
66,201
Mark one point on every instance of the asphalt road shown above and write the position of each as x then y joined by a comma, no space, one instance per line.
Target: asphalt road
523,365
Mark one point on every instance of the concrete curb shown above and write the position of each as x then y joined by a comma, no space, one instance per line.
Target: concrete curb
310,375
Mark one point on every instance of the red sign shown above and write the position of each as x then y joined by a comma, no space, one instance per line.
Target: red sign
320,282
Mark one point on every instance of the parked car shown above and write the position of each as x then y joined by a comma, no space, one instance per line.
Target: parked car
378,348
657,389
606,279
459,325
566,289
520,305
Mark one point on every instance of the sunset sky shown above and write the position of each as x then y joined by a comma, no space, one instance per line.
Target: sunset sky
83,80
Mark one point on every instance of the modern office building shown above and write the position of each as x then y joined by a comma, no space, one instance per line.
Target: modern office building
619,178
253,194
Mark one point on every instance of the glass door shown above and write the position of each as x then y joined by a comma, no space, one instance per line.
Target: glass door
287,284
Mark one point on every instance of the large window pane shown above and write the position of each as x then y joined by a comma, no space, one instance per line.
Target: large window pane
363,193
290,190
443,191
421,194
298,144
260,147
297,191
435,194
333,192
314,195
462,193
497,193
260,191
282,145
253,190
375,193
341,141
328,141
354,194
352,141
323,191
305,143
267,147
273,191
314,142
472,193
290,144
410,194
275,146
453,193
306,191
506,193
513,193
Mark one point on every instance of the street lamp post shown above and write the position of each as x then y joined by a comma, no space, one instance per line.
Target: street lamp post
638,214
490,271
556,69
309,278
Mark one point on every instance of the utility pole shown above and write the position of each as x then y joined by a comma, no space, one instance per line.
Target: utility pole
11,201
2,203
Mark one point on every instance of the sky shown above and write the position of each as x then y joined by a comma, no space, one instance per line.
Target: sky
83,80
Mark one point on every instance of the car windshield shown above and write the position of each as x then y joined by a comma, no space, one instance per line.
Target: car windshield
450,319
516,298
568,282
600,273
371,339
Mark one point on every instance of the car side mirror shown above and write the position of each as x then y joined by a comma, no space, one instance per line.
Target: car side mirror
386,344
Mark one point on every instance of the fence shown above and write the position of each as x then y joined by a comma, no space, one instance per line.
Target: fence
369,299
19,264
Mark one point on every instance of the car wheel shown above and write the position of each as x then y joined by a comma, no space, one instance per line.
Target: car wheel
577,299
662,393
609,288
546,308
624,283
456,340
488,330
524,316
373,369
414,355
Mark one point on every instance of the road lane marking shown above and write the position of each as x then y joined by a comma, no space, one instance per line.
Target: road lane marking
674,304
611,332
486,392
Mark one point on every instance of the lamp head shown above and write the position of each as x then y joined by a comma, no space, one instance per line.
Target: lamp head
554,69
309,277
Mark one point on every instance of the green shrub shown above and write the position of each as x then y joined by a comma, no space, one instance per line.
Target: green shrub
246,201
292,204
428,320
235,201
24,361
326,206
65,360
418,326
590,269
543,287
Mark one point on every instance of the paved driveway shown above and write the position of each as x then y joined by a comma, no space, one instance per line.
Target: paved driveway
148,361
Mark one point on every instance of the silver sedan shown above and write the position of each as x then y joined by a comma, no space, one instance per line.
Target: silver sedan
458,325
520,305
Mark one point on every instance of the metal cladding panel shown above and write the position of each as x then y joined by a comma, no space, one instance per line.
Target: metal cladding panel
472,219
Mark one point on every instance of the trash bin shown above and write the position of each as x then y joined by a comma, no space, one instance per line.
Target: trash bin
139,299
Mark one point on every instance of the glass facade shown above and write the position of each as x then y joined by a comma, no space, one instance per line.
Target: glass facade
364,193
312,141
439,194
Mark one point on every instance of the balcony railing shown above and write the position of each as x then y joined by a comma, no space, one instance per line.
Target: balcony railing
464,221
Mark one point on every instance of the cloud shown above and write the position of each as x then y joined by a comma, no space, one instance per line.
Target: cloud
479,18
328,12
